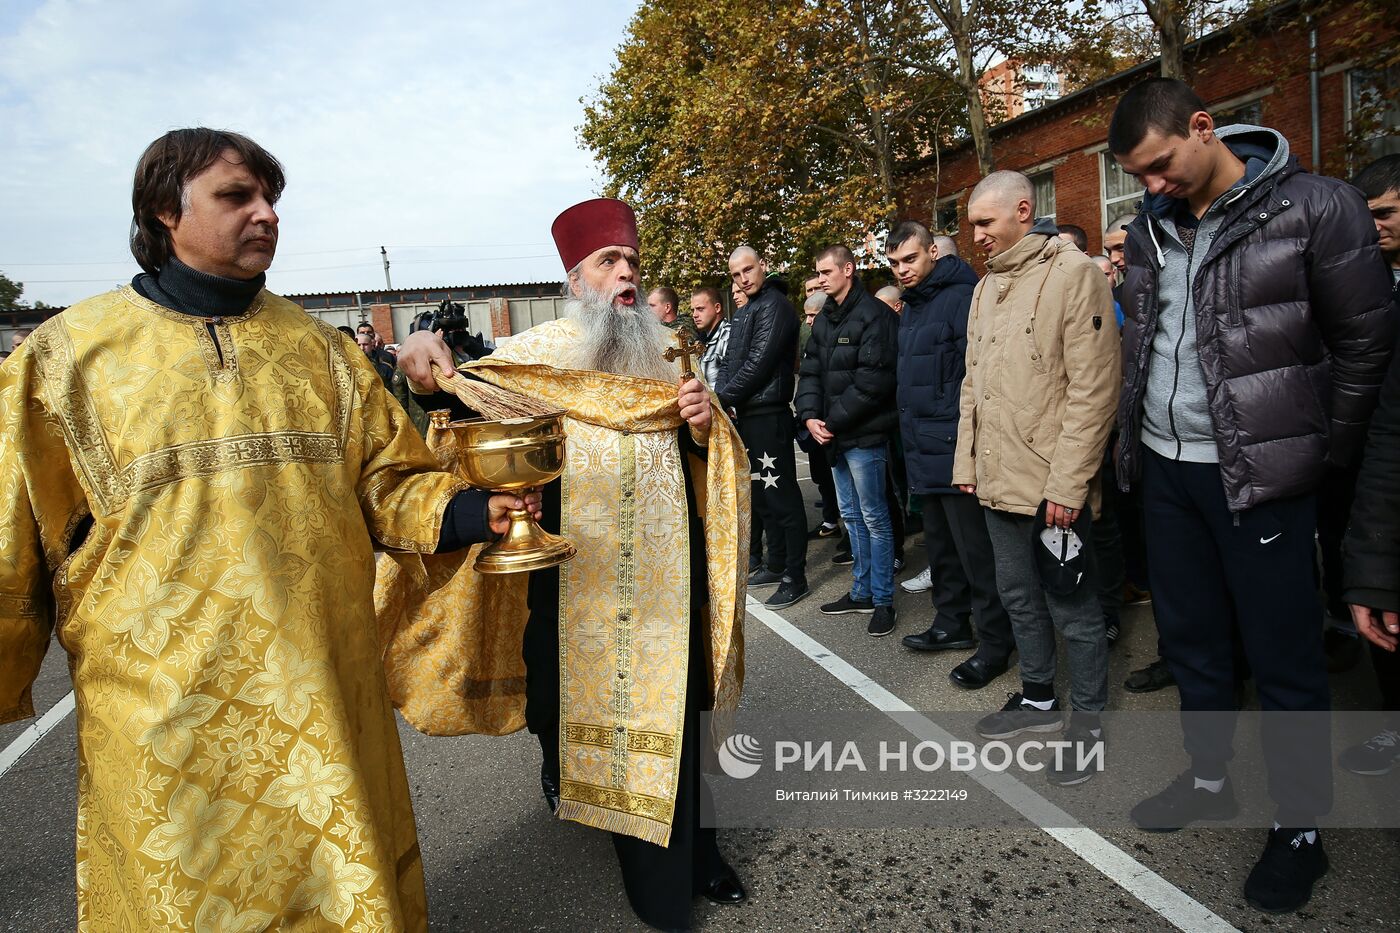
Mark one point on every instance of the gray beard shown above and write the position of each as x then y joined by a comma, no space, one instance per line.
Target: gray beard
626,341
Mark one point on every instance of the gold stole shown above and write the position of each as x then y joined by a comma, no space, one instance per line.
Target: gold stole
452,637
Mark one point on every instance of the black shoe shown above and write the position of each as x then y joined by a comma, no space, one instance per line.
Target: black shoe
882,621
975,673
764,577
898,564
1085,756
549,783
1182,803
1153,677
1111,632
787,594
1017,716
1283,878
935,639
843,557
725,889
824,531
845,606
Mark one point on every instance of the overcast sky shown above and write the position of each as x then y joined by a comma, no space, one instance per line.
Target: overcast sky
444,131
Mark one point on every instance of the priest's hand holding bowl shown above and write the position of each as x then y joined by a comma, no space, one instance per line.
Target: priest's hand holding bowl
417,355
500,505
694,401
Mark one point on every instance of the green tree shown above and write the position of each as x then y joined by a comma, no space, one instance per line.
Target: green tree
10,292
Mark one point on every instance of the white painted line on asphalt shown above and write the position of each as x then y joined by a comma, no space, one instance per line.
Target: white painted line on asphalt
31,736
1173,904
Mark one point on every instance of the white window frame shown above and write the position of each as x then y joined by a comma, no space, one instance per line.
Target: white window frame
1348,109
1036,178
1124,203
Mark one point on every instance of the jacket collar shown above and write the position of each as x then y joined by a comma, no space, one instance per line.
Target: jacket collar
950,270
838,311
1037,246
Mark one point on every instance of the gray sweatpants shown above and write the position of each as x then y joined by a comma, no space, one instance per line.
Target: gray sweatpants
1036,614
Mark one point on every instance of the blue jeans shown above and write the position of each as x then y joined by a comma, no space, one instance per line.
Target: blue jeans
860,491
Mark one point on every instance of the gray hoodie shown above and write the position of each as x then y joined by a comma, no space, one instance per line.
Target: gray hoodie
1176,415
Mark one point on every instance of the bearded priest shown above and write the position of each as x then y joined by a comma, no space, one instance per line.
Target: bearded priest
625,645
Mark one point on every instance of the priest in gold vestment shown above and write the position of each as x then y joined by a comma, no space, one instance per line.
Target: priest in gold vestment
194,474
610,658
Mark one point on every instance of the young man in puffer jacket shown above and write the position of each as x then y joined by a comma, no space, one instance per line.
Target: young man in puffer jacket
1256,335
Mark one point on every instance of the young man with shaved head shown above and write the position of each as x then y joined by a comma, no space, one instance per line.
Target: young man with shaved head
1256,335
757,382
1037,406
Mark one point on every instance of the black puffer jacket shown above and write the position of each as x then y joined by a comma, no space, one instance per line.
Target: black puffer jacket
757,376
1371,549
847,373
932,352
1291,307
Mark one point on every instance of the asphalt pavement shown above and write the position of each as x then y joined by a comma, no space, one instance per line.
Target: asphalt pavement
496,860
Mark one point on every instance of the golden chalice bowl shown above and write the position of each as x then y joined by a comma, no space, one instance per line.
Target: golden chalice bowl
512,455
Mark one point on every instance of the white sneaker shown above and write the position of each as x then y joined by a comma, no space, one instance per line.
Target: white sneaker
920,584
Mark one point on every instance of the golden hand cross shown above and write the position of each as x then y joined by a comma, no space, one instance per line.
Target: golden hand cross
684,349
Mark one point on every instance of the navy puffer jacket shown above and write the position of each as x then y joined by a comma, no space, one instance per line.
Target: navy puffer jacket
932,361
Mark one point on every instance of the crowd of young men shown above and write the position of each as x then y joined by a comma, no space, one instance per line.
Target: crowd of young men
1187,410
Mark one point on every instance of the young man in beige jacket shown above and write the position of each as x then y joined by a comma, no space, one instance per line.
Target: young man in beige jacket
1038,402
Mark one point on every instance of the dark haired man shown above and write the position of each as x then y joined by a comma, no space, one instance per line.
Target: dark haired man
932,350
844,397
195,477
713,328
1257,331
1379,183
1075,234
756,383
1371,563
663,302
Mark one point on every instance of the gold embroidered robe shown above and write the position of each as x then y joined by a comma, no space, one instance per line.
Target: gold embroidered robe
239,767
453,637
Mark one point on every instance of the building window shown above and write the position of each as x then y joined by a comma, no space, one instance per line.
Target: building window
1122,194
945,217
1373,113
1044,184
1251,113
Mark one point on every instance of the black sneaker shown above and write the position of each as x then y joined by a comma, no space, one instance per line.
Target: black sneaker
843,556
882,622
1018,716
764,577
1182,803
1111,632
824,531
1377,755
1084,758
1153,677
845,606
787,594
898,564
1283,878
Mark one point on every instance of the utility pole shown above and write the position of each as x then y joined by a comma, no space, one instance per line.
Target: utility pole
360,307
387,284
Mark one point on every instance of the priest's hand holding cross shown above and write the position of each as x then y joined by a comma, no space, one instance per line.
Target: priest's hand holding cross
693,398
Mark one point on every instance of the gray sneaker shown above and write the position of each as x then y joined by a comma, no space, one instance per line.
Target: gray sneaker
1377,755
1084,758
1018,716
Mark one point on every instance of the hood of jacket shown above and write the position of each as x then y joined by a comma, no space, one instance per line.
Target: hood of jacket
1041,242
950,270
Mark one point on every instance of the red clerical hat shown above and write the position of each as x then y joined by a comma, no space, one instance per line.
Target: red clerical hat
588,227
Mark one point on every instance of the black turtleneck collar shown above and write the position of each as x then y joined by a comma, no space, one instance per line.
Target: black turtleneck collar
189,291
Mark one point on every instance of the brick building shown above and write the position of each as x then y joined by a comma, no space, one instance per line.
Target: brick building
494,311
1255,72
